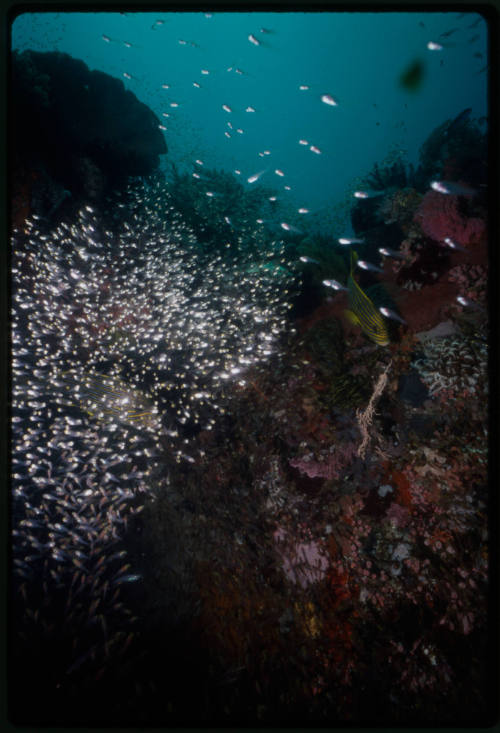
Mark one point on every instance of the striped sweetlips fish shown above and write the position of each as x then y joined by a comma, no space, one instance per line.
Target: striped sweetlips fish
362,312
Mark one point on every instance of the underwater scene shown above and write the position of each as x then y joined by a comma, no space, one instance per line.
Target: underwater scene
249,388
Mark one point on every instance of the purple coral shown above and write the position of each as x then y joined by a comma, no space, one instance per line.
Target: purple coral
303,562
332,465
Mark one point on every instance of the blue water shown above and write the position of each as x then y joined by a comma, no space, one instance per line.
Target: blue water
358,58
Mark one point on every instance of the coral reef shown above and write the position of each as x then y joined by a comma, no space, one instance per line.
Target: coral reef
454,364
440,217
283,523
399,207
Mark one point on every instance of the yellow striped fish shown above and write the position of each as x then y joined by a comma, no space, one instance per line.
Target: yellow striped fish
362,312
110,397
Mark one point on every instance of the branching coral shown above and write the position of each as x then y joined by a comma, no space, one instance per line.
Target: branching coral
454,364
365,417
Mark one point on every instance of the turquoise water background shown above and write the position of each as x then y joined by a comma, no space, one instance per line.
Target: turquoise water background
357,58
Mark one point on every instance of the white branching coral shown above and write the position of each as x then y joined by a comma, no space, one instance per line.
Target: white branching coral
365,417
454,363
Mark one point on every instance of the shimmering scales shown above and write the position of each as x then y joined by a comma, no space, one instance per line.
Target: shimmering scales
110,397
125,332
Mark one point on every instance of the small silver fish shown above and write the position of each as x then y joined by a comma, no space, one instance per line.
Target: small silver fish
253,40
388,313
368,266
433,46
328,99
127,579
309,260
367,194
454,245
452,188
255,176
334,284
289,228
468,303
350,240
391,253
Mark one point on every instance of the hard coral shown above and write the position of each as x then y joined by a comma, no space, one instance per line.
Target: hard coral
439,216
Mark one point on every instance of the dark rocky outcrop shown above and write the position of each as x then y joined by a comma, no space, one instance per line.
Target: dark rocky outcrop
75,133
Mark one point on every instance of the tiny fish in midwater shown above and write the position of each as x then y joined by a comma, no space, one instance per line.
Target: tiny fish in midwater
368,266
328,99
367,194
391,253
388,313
468,303
350,240
127,578
308,260
289,228
452,188
255,176
454,245
334,284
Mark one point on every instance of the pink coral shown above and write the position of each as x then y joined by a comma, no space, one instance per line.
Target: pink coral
440,217
398,514
303,562
331,467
